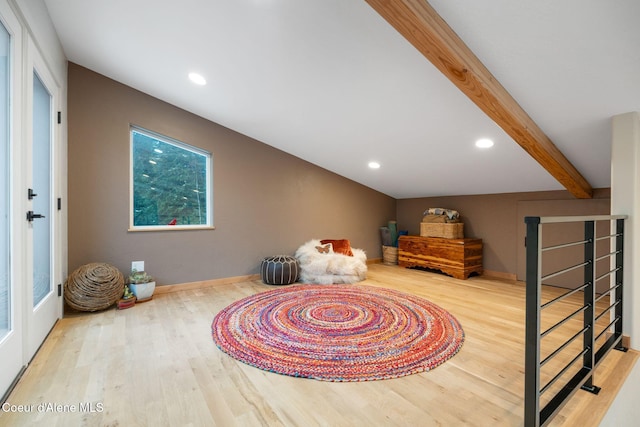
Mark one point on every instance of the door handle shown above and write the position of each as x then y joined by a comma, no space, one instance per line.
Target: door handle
31,216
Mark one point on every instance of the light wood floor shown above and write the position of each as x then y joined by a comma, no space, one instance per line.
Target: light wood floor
156,365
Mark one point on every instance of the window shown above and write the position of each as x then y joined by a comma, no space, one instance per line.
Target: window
41,180
171,183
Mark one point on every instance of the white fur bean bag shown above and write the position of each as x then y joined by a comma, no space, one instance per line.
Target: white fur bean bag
319,264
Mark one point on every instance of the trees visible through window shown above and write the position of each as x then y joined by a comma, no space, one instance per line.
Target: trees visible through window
171,183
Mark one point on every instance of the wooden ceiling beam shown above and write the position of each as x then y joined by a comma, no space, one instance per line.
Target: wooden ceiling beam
421,25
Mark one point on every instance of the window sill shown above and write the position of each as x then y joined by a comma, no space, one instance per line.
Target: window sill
171,228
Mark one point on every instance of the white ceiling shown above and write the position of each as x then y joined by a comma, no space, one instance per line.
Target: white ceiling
333,83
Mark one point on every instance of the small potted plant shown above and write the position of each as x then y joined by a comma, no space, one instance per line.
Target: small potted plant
128,299
142,285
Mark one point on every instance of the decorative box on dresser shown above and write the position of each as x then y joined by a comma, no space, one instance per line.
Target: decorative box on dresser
455,257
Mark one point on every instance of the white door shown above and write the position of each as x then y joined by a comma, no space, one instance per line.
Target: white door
44,304
11,298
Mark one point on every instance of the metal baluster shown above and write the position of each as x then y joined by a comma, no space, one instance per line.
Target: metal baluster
588,360
532,338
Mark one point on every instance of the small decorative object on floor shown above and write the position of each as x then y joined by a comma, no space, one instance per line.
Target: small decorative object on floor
142,285
390,255
128,300
279,270
126,303
93,287
389,236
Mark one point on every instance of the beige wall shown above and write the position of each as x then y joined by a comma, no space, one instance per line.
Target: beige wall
266,202
625,200
498,219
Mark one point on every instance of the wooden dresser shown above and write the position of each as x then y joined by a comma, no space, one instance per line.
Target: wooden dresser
455,257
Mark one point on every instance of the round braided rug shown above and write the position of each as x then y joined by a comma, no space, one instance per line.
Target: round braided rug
338,333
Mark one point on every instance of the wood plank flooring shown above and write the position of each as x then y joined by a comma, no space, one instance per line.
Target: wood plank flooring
156,365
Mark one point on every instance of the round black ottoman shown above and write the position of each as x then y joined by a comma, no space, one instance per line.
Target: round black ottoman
279,270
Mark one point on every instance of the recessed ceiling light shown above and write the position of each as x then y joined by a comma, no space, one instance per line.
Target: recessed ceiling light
374,165
197,79
484,143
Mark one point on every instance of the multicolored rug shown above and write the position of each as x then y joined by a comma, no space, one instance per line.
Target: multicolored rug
338,332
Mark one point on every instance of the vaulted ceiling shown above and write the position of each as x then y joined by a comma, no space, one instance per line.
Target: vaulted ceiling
334,83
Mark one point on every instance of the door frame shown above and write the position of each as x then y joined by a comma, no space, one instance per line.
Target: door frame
34,43
12,346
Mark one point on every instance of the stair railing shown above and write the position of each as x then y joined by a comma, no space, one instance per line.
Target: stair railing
588,356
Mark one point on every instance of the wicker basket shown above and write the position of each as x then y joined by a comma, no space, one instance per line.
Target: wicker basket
443,230
93,287
389,255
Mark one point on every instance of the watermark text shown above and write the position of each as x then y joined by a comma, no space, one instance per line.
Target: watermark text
52,407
